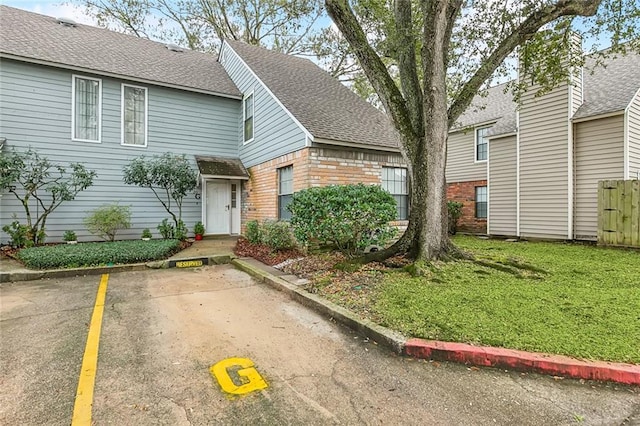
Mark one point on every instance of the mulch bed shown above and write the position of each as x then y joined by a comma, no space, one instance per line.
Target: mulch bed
264,253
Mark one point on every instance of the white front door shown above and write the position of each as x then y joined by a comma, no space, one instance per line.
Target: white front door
218,208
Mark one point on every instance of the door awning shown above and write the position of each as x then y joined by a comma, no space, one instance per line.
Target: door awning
221,168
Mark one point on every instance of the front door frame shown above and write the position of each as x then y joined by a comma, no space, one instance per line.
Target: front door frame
234,215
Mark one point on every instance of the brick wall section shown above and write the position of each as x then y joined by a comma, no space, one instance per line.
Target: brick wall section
260,195
311,167
465,192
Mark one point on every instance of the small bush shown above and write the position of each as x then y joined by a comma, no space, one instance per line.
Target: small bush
69,236
349,217
146,233
278,235
19,234
181,231
97,254
198,228
105,221
167,230
455,213
254,232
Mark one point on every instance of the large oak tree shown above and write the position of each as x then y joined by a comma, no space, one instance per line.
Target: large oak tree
444,52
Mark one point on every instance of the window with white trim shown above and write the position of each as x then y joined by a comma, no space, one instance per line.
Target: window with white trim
482,144
86,107
394,180
134,115
481,202
247,117
285,191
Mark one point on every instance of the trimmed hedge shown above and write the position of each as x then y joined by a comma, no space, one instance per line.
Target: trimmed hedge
96,254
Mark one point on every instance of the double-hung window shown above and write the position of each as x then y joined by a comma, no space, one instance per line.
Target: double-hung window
86,109
481,202
394,180
134,115
285,191
482,144
247,116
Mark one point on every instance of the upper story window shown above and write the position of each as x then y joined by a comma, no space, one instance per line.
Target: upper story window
285,191
134,115
482,150
481,202
394,180
86,108
247,117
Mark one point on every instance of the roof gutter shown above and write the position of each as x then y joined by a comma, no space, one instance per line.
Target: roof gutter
356,145
115,75
597,117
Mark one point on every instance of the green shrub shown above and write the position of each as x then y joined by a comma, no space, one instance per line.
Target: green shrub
181,231
146,233
167,230
455,213
105,221
349,217
253,233
278,235
19,234
69,236
96,254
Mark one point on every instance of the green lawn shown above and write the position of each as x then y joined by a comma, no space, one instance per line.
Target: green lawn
97,254
577,300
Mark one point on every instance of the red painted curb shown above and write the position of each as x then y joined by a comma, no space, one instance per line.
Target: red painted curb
556,365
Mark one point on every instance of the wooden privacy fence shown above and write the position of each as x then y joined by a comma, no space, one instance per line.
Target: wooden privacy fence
619,212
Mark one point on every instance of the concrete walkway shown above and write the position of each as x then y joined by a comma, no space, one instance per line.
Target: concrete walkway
216,249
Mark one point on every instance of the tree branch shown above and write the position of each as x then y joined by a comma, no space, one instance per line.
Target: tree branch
374,68
525,31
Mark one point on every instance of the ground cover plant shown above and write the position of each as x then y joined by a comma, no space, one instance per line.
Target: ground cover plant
97,254
571,299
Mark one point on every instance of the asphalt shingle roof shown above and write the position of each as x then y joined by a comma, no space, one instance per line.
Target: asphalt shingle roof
37,37
325,107
221,166
609,88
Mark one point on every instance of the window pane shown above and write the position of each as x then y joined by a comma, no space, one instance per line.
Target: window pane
87,98
234,195
248,118
283,202
285,180
481,144
394,180
135,125
481,202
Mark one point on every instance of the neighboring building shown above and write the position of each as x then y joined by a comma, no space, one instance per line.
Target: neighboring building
77,93
532,170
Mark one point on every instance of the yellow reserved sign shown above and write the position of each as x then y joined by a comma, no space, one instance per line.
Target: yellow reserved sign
244,369
189,263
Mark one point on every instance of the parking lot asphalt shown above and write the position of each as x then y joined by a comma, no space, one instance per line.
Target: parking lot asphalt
162,331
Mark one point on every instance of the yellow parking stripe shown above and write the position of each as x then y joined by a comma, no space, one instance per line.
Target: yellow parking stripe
84,395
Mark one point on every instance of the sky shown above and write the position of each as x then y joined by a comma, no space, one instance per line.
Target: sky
51,8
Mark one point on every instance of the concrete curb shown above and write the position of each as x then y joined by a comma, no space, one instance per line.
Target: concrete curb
556,365
378,334
26,275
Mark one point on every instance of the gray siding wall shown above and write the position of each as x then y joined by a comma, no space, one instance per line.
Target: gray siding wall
275,132
544,168
36,112
599,155
634,137
503,187
461,165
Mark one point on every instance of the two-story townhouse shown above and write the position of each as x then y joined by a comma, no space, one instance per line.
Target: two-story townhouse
531,170
76,93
